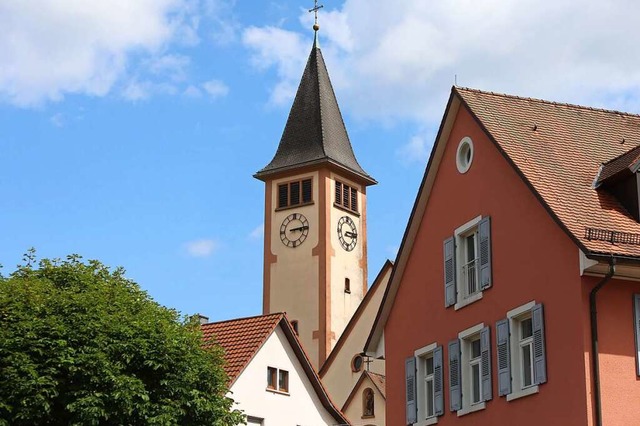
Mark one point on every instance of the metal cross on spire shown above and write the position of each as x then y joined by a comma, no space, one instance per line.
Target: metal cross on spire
315,10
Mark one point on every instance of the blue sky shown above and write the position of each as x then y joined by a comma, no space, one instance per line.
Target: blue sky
130,129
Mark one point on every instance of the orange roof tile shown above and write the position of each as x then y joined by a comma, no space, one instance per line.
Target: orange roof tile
559,149
379,381
618,165
241,339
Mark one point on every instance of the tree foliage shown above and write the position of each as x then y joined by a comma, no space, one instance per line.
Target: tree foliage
82,344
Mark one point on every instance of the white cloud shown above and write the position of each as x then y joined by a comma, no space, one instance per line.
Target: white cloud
201,247
415,151
397,60
136,91
222,23
281,49
173,66
51,48
257,233
192,91
215,88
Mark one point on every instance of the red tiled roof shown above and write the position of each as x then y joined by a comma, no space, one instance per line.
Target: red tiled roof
379,381
241,339
558,149
618,165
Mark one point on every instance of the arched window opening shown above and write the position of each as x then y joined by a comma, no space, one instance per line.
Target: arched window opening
368,403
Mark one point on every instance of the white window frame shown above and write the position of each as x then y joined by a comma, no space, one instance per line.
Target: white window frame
463,298
421,355
466,337
465,146
515,316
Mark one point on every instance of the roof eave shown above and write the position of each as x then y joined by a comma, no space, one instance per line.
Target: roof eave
621,258
313,377
453,105
265,175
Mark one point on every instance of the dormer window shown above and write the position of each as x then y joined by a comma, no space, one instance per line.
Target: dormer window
620,177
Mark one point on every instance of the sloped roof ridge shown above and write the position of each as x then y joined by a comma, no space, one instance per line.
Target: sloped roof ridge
544,101
379,382
621,155
316,50
245,318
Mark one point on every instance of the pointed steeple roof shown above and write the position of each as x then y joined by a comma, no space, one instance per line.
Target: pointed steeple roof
315,132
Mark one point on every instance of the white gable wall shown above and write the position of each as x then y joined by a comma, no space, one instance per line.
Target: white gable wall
300,407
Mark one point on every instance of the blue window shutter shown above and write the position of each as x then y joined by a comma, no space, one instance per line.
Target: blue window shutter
449,272
484,235
539,351
437,381
485,353
455,388
504,357
636,319
410,374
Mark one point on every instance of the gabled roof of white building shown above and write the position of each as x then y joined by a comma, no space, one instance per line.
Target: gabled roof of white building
242,338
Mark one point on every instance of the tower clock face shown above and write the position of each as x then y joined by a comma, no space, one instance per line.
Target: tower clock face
294,230
347,233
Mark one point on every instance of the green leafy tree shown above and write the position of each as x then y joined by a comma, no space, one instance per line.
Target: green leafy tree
81,344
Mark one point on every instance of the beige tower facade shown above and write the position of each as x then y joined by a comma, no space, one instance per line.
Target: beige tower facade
315,246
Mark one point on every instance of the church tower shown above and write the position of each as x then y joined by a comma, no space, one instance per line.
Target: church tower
315,228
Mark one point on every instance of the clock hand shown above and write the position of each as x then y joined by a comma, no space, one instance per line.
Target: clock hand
300,228
350,234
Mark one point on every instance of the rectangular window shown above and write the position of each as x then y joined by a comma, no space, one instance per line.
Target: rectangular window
526,351
306,191
277,380
271,377
428,384
474,386
430,402
476,371
521,351
354,199
295,193
283,195
346,196
469,267
467,263
283,381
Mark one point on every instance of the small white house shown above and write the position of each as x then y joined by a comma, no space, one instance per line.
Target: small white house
270,376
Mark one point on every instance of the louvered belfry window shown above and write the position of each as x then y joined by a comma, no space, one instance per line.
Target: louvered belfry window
295,193
346,196
306,191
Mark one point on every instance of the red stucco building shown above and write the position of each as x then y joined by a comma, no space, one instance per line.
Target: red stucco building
513,299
